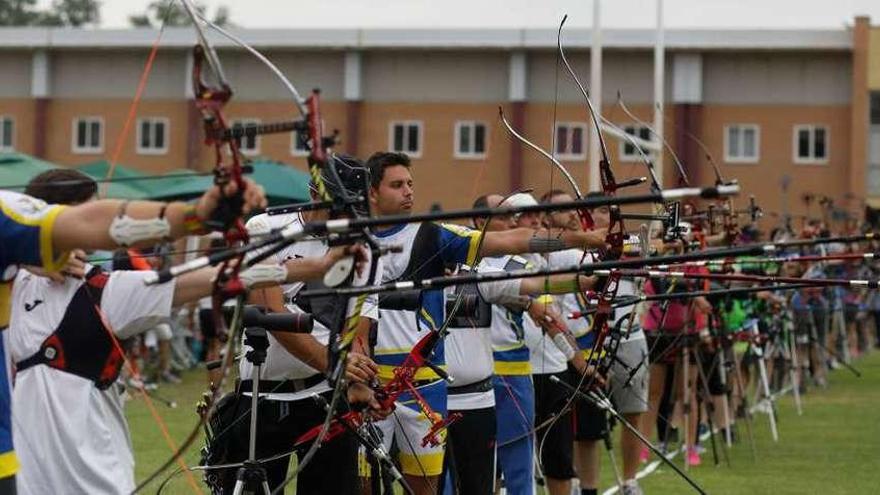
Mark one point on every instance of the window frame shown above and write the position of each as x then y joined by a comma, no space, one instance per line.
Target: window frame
420,125
470,155
166,122
244,121
812,160
571,125
87,150
11,146
728,158
294,139
636,157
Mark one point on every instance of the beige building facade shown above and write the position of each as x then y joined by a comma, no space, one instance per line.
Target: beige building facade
770,107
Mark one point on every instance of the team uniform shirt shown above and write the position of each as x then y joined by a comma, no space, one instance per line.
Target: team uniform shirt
545,357
72,436
427,249
280,364
26,231
469,348
509,349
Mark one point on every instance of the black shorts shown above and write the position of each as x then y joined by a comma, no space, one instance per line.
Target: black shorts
280,423
664,348
206,323
590,422
557,456
711,366
470,452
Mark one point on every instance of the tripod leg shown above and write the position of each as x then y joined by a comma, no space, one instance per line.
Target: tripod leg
685,402
744,402
792,371
725,397
765,385
709,404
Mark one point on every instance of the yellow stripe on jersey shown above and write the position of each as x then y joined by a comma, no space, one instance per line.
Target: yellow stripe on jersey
47,224
5,298
510,368
8,464
427,316
422,464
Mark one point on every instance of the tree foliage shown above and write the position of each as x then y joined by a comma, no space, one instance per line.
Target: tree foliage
172,14
60,13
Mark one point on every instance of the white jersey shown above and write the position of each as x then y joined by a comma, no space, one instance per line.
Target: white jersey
510,352
427,249
281,364
469,345
72,437
544,357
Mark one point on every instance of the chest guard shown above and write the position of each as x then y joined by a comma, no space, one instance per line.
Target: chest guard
479,316
82,344
515,316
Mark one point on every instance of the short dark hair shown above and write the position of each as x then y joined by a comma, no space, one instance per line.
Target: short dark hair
552,193
380,160
480,202
62,186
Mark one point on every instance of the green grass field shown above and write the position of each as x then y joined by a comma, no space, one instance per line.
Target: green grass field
833,448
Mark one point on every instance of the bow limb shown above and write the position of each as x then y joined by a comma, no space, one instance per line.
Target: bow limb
615,237
195,14
522,139
210,102
649,164
682,174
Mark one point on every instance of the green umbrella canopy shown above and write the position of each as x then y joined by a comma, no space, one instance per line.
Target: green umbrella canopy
133,189
283,184
17,169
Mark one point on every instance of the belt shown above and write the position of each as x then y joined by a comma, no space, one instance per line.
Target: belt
289,386
484,385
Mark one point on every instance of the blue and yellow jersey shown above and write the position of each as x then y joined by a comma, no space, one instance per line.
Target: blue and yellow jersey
509,350
428,248
26,231
582,328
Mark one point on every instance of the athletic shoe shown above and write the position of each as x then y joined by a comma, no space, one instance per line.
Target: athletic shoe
693,457
631,487
169,377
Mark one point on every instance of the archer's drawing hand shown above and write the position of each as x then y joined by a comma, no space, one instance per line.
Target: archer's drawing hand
254,198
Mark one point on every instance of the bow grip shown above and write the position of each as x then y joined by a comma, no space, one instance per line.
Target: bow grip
227,212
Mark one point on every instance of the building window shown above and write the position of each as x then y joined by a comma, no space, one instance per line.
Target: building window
470,139
406,137
742,143
152,136
811,144
7,133
628,152
298,147
571,140
88,135
248,144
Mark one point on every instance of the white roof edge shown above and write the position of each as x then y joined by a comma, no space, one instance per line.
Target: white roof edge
466,38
